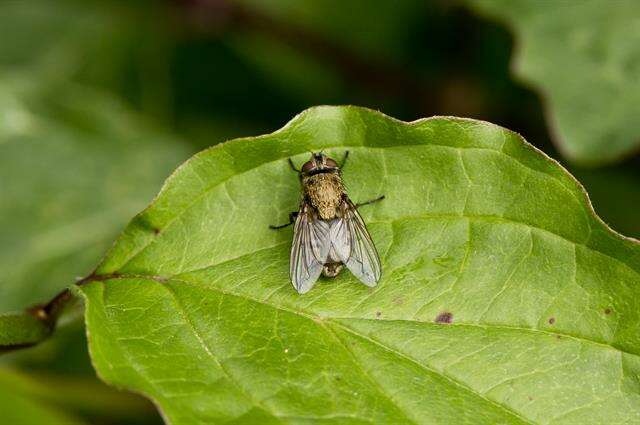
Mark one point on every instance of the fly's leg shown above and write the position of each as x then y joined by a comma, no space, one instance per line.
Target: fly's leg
344,160
292,219
293,167
362,204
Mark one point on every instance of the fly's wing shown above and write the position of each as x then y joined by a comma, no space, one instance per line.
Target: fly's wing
353,245
311,243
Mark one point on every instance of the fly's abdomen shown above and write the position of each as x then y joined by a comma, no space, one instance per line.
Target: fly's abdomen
331,269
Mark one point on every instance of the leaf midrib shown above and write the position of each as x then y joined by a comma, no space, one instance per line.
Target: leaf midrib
450,379
205,347
162,280
325,323
337,321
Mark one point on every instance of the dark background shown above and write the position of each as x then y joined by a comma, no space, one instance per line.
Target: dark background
241,68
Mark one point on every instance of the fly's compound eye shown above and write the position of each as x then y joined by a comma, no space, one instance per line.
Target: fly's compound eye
308,166
330,163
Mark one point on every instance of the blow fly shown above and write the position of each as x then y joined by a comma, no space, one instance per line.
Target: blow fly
328,230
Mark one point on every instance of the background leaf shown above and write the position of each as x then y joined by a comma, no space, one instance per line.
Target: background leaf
21,402
40,398
80,162
585,60
503,298
76,161
53,224
58,219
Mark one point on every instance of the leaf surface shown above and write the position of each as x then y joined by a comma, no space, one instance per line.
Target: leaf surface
585,60
503,299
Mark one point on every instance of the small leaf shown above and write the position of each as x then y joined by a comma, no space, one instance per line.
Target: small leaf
584,59
21,329
503,299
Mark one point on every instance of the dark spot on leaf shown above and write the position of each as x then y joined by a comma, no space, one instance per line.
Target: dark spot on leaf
552,320
378,313
558,337
142,221
607,311
530,398
444,317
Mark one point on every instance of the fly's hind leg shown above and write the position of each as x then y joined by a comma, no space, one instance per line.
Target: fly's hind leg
292,218
362,204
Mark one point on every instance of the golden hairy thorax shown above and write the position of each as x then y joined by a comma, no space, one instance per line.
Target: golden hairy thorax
324,192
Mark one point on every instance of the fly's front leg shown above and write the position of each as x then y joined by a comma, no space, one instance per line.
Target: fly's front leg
293,167
292,218
362,204
344,159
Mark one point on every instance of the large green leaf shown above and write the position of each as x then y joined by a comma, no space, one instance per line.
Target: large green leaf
585,60
503,297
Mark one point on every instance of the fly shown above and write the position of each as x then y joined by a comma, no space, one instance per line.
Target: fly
328,230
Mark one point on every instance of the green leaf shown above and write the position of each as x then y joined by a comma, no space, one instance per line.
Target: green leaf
77,161
584,59
23,401
78,165
21,329
193,305
54,396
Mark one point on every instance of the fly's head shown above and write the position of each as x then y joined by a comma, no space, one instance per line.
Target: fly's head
319,164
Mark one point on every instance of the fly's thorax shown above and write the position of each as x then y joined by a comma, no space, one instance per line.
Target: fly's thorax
324,191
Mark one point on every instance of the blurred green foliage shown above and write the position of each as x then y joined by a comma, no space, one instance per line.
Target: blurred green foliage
585,60
116,94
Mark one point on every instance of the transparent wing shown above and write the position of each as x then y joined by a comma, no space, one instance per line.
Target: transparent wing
353,245
309,251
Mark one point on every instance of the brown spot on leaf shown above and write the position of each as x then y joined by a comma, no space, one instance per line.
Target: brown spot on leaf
378,314
444,317
398,301
607,311
552,320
